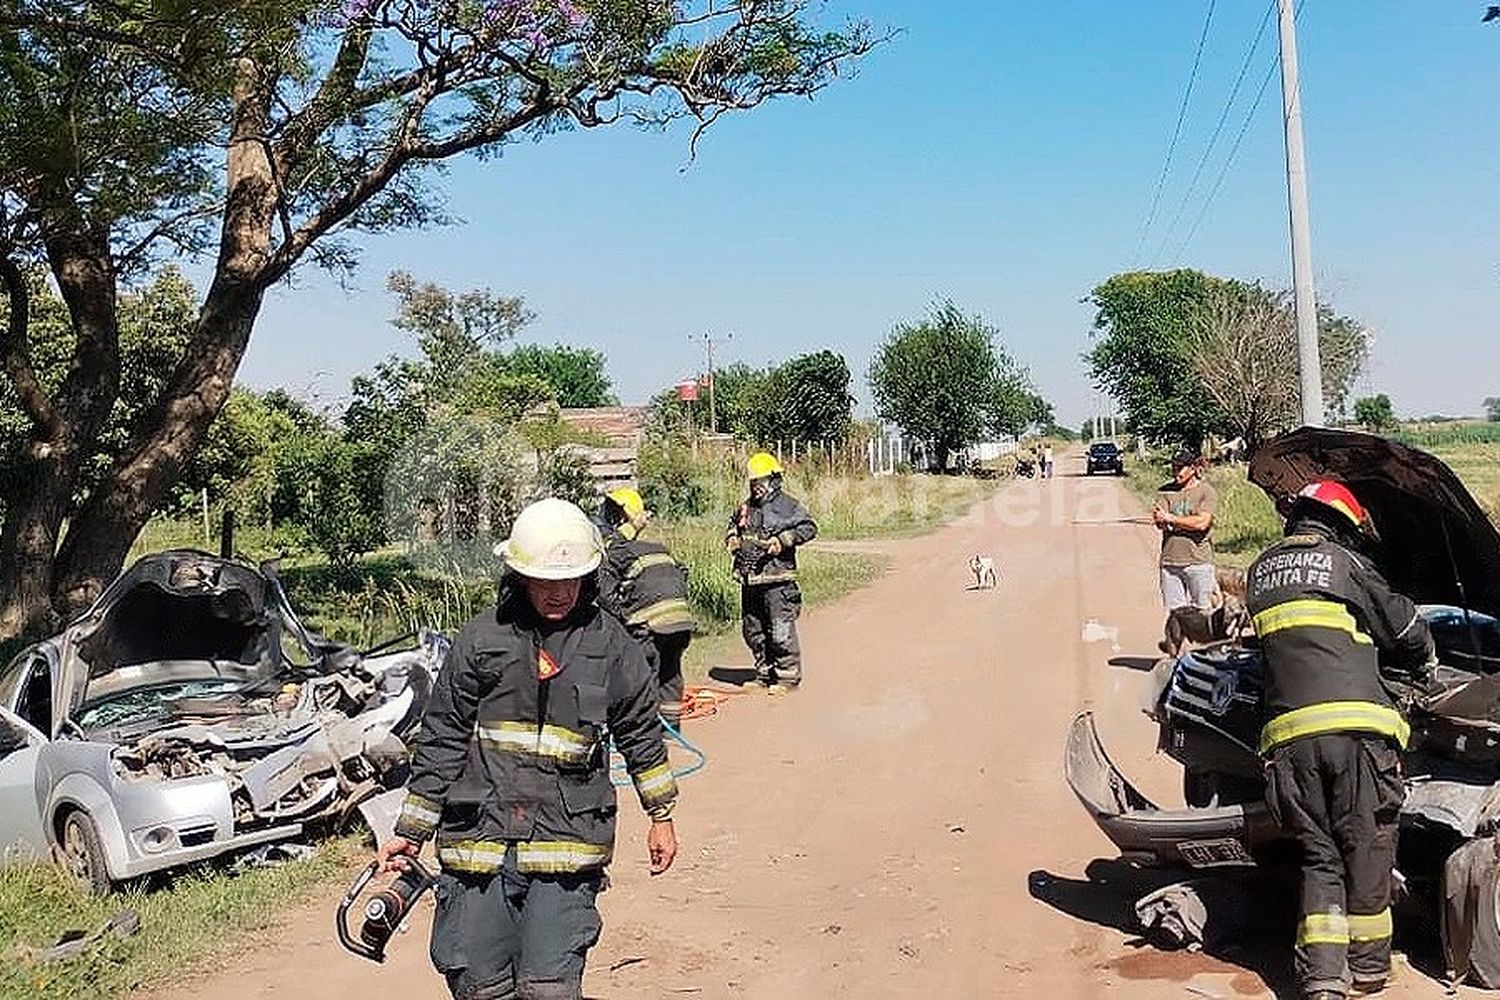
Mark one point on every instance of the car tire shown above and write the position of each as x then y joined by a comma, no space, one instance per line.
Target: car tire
81,851
1474,864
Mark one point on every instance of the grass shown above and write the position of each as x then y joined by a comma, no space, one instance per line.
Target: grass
189,922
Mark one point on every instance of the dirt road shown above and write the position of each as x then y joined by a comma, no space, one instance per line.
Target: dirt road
900,827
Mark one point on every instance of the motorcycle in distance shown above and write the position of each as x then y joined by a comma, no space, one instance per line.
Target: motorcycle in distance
1439,548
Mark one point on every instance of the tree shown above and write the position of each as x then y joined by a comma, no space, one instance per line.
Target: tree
806,398
1142,325
1375,412
946,381
264,135
1188,354
1243,349
1492,408
575,375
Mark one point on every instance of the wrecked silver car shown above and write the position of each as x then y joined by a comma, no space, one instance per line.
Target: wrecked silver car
189,714
1438,547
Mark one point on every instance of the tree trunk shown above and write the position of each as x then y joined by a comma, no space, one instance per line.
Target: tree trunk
101,533
34,511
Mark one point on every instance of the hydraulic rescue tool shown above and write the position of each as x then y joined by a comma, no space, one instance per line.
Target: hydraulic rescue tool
384,911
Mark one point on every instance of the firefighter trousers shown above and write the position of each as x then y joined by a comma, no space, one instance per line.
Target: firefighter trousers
668,648
769,619
1340,794
514,936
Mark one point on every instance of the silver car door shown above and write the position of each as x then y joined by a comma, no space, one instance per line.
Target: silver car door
22,834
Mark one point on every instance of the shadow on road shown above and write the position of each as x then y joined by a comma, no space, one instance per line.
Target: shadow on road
1243,930
1145,664
738,676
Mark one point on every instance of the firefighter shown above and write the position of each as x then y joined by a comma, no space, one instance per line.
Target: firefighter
511,771
1338,645
764,534
642,585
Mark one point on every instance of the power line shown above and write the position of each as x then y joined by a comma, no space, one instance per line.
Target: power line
1213,140
1234,150
1187,96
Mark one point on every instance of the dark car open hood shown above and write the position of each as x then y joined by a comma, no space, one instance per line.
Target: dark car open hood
1438,547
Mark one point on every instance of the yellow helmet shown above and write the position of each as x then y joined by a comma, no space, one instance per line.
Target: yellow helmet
763,464
629,501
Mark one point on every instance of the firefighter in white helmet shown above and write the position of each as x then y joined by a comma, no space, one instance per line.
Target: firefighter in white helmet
511,771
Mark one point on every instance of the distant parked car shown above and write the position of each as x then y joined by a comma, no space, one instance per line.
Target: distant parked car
189,714
1104,456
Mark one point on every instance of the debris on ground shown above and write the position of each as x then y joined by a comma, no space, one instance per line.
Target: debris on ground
73,943
271,856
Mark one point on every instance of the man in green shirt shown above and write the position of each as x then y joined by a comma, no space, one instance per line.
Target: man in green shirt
1184,513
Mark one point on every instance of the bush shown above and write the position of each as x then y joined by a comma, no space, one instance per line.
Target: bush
671,483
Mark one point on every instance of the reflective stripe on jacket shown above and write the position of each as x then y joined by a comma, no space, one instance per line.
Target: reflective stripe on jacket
642,585
508,757
1323,615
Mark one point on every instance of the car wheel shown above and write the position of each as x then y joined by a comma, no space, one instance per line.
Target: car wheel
82,853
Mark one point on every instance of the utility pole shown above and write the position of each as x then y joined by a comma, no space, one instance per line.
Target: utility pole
1309,365
708,342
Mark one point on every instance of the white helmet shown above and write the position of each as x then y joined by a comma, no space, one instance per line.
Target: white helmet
552,540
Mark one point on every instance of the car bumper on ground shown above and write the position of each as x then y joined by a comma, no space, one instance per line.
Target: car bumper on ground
1223,836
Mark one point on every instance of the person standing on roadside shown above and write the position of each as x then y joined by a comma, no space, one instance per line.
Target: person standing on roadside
763,536
1184,514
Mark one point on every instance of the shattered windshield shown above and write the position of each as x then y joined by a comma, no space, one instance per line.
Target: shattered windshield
149,704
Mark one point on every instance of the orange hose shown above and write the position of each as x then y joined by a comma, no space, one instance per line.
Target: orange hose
700,701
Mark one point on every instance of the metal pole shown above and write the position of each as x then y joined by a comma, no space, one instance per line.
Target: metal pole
1309,366
713,413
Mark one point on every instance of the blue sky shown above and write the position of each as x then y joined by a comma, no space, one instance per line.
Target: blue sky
1001,154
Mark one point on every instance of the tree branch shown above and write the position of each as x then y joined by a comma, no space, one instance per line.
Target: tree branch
17,358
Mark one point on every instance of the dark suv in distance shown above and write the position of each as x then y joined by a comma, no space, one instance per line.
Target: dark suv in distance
1104,456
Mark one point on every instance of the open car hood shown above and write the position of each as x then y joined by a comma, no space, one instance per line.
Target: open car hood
1438,545
171,617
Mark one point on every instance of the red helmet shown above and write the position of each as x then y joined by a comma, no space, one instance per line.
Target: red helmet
1337,496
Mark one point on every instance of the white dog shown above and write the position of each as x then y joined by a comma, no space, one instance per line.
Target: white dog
983,568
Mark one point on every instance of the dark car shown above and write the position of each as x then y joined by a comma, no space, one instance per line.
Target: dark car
1439,548
1104,456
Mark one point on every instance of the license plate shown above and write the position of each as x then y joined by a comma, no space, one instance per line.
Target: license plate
1214,853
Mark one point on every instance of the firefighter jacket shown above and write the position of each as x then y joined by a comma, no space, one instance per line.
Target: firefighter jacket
756,522
1325,616
514,747
643,586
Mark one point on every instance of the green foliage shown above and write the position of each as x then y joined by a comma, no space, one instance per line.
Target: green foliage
804,399
945,380
1375,412
155,320
1492,409
1189,355
1449,434
575,375
1143,324
670,484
